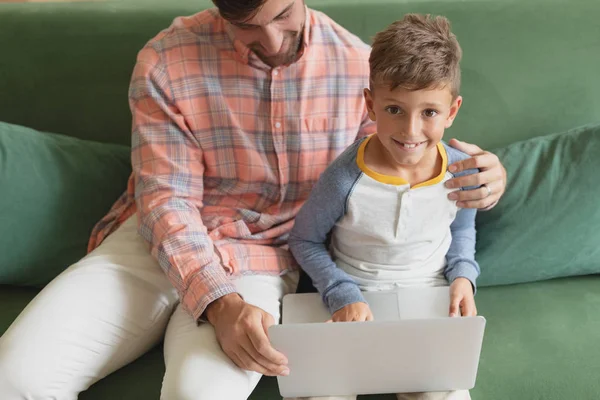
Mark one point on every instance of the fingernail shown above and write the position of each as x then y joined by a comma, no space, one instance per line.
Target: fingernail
453,196
453,315
460,204
285,372
449,184
452,168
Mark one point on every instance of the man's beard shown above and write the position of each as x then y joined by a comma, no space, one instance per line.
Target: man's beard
295,38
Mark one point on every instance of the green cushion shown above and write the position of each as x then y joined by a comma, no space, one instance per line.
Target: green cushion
13,300
540,341
547,224
54,189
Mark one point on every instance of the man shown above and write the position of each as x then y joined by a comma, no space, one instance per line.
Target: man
236,113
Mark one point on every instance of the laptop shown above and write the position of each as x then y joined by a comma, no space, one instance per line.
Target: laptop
412,346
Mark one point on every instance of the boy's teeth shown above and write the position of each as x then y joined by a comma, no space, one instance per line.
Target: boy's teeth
409,146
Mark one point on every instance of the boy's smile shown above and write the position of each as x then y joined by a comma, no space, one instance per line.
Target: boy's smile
409,146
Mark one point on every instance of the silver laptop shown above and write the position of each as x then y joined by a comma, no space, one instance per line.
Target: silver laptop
412,346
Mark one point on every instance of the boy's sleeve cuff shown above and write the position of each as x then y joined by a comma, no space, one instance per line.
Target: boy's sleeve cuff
464,270
341,295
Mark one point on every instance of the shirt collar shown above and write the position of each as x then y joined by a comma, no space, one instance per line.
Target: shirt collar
307,29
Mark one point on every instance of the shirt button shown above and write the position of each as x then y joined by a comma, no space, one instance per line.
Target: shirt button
277,125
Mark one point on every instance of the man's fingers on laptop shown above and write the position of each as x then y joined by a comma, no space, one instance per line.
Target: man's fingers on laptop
240,357
260,342
245,361
266,366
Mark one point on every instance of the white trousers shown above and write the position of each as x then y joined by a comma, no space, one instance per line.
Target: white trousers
110,308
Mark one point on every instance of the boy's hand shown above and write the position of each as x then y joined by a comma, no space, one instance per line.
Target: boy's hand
462,300
353,312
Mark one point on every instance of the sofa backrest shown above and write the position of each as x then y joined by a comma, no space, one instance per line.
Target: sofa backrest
530,67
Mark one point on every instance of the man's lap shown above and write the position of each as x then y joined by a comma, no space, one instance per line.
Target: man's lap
105,311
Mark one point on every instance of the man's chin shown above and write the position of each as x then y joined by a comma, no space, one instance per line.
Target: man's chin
282,58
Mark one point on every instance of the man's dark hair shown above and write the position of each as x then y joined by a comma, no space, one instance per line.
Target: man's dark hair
239,10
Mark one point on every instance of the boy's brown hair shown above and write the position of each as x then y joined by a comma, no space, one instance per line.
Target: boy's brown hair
416,52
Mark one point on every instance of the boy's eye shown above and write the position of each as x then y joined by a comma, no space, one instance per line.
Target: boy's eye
430,113
394,110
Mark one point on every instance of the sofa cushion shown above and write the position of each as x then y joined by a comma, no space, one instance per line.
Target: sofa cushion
54,189
547,225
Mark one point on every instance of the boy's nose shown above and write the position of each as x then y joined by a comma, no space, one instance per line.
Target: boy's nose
411,128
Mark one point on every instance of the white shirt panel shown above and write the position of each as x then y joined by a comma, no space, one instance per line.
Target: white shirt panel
394,235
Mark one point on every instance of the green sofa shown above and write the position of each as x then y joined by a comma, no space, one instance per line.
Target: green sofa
530,70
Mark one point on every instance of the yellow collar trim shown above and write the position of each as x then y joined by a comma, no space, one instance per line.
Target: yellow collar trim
396,180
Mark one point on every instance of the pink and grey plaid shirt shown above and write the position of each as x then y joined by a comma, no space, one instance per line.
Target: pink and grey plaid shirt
225,149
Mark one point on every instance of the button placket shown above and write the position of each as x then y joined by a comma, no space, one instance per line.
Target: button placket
277,120
404,200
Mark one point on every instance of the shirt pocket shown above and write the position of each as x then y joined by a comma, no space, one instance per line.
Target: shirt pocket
318,142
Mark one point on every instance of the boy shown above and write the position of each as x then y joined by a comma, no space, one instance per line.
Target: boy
383,200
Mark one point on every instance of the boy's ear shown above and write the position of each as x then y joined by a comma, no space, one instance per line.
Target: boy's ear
369,100
453,111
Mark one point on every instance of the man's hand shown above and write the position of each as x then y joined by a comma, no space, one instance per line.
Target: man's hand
241,331
491,178
357,312
462,300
